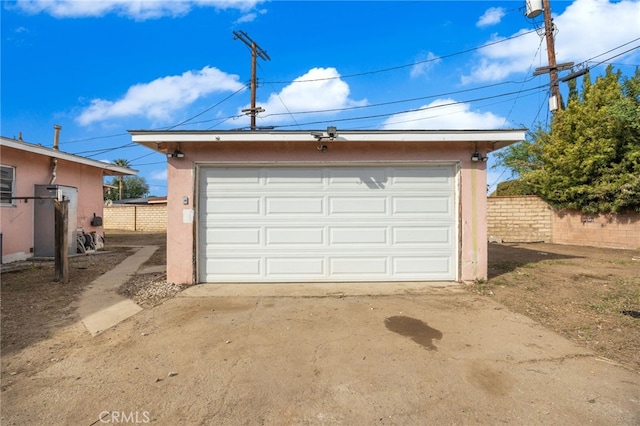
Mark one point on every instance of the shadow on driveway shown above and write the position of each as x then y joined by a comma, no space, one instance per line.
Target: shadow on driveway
504,258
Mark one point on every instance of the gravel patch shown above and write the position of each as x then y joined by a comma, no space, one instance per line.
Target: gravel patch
149,290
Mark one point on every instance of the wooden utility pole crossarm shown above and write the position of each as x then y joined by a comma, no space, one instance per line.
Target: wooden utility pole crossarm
256,51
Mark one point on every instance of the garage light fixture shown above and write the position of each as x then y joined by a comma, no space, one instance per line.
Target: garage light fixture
476,156
332,132
175,154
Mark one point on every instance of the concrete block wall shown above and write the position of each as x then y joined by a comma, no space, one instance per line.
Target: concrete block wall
518,220
530,219
614,231
143,218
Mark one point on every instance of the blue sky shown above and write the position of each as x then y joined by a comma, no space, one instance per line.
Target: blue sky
100,68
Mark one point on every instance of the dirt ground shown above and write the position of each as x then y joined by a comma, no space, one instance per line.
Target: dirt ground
590,296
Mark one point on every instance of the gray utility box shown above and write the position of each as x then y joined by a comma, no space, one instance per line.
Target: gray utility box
44,226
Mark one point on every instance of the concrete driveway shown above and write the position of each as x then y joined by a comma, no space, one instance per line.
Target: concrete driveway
352,354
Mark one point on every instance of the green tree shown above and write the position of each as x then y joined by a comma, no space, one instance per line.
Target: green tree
589,159
132,186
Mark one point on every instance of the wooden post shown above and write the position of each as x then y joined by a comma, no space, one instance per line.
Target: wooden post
61,240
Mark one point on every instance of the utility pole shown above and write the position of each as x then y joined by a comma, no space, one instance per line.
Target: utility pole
551,50
256,51
555,102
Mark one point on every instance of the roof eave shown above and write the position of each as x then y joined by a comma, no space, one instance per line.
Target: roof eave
157,140
107,168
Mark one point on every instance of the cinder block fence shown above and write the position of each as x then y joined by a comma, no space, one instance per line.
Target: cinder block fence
530,219
521,219
144,218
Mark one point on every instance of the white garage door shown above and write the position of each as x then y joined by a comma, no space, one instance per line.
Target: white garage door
311,224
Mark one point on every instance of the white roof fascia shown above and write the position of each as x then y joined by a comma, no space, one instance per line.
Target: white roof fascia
48,152
509,136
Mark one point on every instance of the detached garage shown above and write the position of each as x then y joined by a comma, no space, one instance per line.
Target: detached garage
354,206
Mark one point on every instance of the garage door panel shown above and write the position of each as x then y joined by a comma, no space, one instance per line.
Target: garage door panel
234,206
422,235
229,266
359,266
357,235
235,236
295,205
270,224
293,177
358,178
421,176
295,235
421,205
283,267
233,176
358,206
422,265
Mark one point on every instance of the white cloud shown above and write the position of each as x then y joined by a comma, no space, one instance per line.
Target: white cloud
425,63
491,16
139,10
499,60
318,90
443,114
161,98
250,17
159,175
591,27
585,29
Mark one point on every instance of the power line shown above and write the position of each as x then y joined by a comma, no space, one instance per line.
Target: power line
281,100
615,56
105,150
208,109
405,65
519,92
421,98
222,120
412,110
95,138
615,48
506,119
456,103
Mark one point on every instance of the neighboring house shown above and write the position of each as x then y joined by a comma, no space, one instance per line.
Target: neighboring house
138,201
31,176
331,206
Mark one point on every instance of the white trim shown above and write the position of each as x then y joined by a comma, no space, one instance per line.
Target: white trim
151,137
110,169
302,163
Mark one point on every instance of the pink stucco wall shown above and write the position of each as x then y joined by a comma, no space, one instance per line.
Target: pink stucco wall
16,222
182,182
601,230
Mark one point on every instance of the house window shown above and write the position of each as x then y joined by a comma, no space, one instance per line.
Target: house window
7,185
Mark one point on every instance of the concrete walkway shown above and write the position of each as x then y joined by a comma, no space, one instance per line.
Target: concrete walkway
100,306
